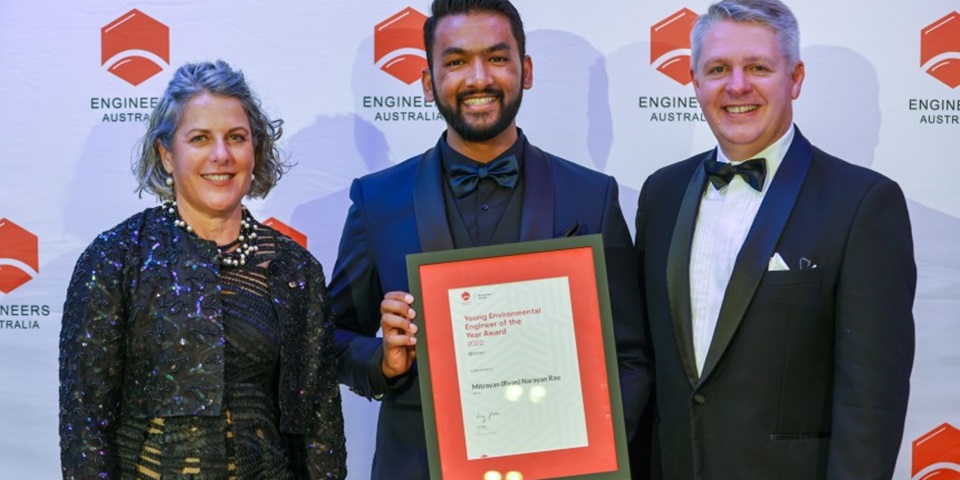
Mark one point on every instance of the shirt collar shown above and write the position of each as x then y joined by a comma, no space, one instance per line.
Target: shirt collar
773,154
450,157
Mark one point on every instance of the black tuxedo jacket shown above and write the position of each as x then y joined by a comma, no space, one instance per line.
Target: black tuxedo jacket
400,210
807,375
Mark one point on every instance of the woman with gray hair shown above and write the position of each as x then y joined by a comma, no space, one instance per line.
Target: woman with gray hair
196,341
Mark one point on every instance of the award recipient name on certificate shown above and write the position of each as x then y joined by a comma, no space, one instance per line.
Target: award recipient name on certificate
516,356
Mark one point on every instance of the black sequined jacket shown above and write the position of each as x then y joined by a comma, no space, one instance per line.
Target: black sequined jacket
142,337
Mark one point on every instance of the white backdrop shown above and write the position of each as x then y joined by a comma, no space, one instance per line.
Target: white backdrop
598,99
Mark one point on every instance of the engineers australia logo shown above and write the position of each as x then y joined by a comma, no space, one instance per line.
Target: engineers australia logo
940,49
670,54
135,46
19,256
287,230
398,45
398,51
670,45
936,454
19,264
940,58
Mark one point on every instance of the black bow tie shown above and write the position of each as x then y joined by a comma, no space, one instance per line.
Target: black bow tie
720,173
464,179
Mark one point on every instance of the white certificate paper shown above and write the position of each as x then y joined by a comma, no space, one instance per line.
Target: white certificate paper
517,363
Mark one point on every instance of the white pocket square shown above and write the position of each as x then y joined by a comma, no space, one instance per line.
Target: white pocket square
777,264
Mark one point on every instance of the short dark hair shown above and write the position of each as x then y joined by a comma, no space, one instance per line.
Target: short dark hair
443,8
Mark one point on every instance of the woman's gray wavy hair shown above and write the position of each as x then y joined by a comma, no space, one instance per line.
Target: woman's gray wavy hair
770,13
215,78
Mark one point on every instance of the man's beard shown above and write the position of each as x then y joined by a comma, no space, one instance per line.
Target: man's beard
470,133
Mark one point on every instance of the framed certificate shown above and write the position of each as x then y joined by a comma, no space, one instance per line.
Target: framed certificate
517,365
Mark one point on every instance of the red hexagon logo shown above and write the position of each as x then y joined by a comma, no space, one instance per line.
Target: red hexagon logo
19,256
398,45
287,230
670,45
127,42
940,49
936,454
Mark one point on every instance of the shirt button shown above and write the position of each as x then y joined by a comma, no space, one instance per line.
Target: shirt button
699,399
485,207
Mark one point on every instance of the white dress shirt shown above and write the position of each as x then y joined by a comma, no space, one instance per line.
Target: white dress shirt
723,222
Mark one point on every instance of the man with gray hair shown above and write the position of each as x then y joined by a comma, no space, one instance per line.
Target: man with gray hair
778,279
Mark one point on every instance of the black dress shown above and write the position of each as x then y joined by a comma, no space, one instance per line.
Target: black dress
243,441
245,434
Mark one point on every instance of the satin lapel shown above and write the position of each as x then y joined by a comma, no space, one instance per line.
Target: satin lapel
759,246
678,270
428,204
536,222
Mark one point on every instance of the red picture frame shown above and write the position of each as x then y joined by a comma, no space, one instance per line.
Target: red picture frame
580,260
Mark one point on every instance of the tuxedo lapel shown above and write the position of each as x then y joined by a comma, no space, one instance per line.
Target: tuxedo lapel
536,222
428,204
758,247
678,269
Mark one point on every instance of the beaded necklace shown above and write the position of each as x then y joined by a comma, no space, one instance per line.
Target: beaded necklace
232,254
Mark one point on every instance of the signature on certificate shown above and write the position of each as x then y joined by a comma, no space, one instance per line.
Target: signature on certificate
483,418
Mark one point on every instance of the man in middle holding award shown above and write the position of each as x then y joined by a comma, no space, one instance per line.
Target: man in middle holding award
483,183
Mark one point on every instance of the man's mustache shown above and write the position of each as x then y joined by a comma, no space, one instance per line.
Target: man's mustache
495,92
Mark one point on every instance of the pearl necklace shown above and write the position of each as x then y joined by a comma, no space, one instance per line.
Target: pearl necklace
246,241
